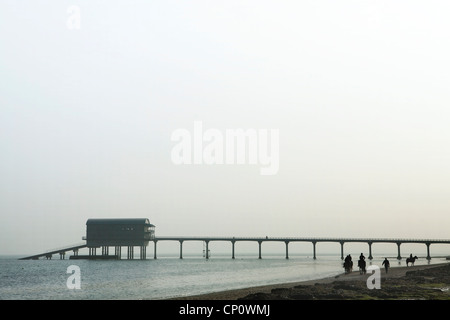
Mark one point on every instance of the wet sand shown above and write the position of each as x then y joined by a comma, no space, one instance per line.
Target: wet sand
427,282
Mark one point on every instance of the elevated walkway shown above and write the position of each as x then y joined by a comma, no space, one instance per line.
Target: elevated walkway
61,251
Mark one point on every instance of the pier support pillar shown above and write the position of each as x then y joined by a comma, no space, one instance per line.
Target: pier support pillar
130,252
105,250
62,255
314,250
75,252
370,250
287,250
259,244
118,251
207,250
342,250
154,249
143,253
399,257
232,249
181,249
428,251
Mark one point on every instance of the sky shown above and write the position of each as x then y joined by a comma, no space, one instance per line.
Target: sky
92,92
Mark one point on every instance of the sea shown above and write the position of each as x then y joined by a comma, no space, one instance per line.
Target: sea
163,278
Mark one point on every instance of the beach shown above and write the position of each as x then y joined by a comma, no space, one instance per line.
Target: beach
424,282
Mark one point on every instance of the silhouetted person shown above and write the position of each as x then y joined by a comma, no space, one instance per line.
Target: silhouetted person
361,257
386,264
410,256
348,264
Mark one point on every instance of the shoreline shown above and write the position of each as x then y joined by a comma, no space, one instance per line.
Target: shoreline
273,291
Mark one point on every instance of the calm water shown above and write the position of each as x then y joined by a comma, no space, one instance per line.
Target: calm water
159,279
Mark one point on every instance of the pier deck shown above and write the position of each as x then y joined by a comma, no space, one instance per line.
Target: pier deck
233,240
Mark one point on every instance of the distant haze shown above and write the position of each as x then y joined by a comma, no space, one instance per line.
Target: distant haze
92,91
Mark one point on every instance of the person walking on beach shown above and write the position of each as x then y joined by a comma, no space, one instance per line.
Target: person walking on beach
386,264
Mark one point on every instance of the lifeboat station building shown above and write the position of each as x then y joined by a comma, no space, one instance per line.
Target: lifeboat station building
118,233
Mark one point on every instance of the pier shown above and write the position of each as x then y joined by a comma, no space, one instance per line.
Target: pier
232,240
287,240
138,232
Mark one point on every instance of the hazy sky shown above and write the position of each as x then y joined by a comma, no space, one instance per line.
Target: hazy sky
358,91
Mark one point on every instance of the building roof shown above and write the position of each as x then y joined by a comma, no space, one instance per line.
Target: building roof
128,221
